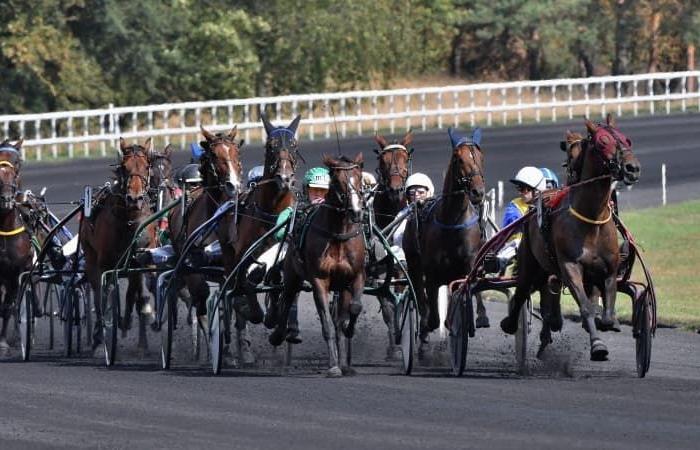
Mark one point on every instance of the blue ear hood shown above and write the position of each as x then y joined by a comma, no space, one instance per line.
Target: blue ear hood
457,140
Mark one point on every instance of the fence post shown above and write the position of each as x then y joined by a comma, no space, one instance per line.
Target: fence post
500,194
663,184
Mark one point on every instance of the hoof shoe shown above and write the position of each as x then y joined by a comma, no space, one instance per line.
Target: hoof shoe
599,352
482,322
334,372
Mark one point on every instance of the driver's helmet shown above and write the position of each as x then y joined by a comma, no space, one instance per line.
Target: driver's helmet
368,181
420,180
255,174
188,174
531,177
317,177
550,178
196,152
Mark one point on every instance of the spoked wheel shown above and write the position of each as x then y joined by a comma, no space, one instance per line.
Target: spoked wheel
459,316
68,317
110,322
216,339
167,326
521,338
25,318
407,323
644,336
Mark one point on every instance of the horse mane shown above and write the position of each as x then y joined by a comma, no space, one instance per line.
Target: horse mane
448,181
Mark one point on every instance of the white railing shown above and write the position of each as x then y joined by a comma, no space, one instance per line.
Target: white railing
91,132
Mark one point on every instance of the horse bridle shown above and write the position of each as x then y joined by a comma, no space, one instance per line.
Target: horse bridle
13,186
124,178
614,164
464,182
276,150
343,197
393,166
210,157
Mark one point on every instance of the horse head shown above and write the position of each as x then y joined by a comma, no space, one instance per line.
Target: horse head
345,190
161,168
614,150
465,173
394,162
572,145
281,152
8,185
134,172
220,163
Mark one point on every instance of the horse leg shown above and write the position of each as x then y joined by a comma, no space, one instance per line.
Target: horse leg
482,320
416,275
350,299
393,351
572,274
125,320
546,309
245,354
527,267
6,314
609,320
321,299
136,296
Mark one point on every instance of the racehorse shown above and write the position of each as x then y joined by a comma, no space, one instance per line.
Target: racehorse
118,211
221,172
258,214
330,254
581,246
16,252
441,240
393,168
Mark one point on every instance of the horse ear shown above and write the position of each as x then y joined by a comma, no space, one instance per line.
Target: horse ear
122,144
476,136
18,144
147,145
591,127
295,124
207,135
454,139
268,126
168,151
408,139
380,140
234,131
328,160
240,144
610,120
359,160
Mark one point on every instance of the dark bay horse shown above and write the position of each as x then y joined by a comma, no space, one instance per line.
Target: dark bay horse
330,254
117,213
442,239
393,168
581,247
16,251
258,214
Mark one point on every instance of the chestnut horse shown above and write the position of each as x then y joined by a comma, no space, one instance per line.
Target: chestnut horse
330,254
441,240
393,168
16,251
581,247
118,211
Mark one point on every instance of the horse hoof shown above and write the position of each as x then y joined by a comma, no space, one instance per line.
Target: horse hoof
276,337
98,352
355,308
334,372
270,320
509,326
556,323
4,350
293,336
605,324
482,322
348,371
247,357
393,353
599,352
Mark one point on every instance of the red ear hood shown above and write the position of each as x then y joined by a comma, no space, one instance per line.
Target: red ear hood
606,138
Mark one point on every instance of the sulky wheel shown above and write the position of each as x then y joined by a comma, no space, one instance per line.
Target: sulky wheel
408,323
459,318
25,320
167,327
521,338
52,295
110,321
644,336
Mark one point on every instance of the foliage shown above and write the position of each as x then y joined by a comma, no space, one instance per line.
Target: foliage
68,54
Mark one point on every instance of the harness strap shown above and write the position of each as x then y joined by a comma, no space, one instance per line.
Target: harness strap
14,232
585,219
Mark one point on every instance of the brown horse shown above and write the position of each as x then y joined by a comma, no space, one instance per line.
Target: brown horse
393,168
117,213
221,172
16,251
442,239
581,247
330,254
258,214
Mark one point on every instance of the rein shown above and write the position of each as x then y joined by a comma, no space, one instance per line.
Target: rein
14,232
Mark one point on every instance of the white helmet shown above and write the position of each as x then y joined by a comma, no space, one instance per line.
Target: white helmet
420,179
255,174
532,177
368,180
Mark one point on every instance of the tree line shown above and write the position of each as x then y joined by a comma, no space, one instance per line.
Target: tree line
70,54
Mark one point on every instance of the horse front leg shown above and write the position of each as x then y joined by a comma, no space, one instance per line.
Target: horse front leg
6,314
321,299
609,319
482,319
350,309
136,296
572,275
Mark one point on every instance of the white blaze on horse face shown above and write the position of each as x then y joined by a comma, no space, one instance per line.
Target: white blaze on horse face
233,176
355,201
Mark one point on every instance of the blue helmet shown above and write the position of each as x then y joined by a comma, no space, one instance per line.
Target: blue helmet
550,177
196,151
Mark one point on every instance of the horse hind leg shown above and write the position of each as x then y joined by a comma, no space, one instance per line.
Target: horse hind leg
243,343
393,351
321,299
482,319
608,321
